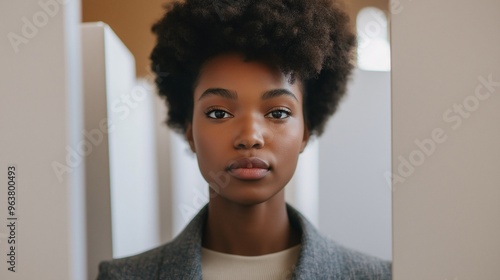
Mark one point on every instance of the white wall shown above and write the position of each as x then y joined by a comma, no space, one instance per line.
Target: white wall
40,123
446,192
355,198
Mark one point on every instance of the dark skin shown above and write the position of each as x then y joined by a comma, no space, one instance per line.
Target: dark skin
247,216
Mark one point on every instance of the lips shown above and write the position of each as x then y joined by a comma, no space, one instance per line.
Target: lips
252,168
251,162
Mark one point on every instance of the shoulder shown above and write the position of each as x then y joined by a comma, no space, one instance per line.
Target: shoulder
176,259
322,256
141,266
352,264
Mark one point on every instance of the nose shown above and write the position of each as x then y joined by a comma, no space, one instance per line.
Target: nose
250,134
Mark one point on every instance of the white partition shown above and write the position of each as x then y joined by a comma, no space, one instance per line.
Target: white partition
355,154
302,191
189,189
122,188
41,120
446,135
164,167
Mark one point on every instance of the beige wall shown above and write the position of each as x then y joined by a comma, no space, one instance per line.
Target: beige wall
131,20
445,135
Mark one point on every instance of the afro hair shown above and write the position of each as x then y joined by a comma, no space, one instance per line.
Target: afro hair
307,39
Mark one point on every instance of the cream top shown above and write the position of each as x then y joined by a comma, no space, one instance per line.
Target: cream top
275,266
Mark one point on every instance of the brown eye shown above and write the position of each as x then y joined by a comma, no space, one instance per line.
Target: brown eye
279,114
217,114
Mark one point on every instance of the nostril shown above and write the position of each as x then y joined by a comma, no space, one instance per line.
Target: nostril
241,146
249,142
244,146
257,145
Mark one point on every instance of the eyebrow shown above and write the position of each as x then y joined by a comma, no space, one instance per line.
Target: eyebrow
229,94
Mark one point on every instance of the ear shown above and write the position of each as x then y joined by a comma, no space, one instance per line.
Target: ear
189,136
305,139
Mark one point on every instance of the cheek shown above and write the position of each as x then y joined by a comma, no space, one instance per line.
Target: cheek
208,145
287,142
290,136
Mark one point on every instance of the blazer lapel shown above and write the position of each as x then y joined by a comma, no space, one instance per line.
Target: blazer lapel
311,262
181,259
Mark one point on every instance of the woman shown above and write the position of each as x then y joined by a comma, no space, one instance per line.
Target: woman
248,83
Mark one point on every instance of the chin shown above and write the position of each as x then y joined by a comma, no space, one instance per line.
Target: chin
246,195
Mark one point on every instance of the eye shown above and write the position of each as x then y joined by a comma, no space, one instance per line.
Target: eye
217,114
279,114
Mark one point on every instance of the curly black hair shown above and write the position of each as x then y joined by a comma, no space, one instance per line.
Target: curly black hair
307,39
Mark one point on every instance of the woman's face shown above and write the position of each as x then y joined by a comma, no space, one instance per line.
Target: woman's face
247,129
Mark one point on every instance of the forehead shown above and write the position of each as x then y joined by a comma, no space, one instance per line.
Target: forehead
230,71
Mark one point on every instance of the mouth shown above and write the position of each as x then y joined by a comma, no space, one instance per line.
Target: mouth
252,168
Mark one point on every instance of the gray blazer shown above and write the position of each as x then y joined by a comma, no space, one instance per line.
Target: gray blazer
319,258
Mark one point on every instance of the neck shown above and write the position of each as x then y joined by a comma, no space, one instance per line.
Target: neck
249,230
